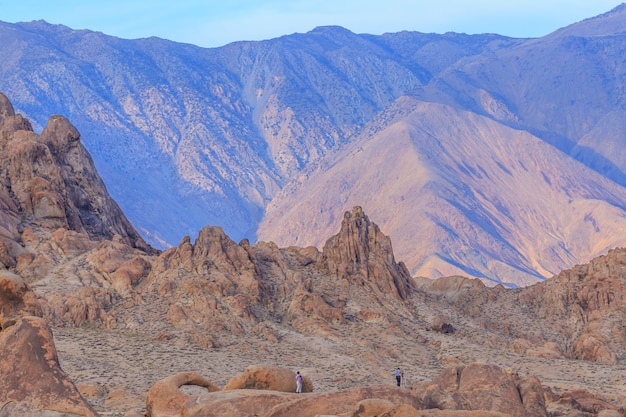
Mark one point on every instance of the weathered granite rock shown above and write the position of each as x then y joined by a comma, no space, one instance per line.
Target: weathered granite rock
32,382
484,387
6,108
441,324
361,253
335,403
234,403
16,300
268,378
587,302
586,402
165,398
53,182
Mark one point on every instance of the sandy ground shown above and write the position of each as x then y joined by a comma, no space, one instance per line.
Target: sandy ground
122,366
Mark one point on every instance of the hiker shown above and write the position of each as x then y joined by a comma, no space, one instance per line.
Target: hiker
298,382
398,376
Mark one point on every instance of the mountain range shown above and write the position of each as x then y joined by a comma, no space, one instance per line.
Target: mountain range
480,155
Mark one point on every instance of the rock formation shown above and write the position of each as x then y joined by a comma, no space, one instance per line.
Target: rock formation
345,316
478,387
361,253
265,378
32,382
590,301
16,300
240,288
165,399
49,181
485,387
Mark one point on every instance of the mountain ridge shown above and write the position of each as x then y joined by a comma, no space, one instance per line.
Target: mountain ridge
432,172
211,136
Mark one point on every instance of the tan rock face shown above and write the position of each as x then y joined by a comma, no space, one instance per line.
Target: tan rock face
484,387
362,254
590,347
586,402
16,300
32,379
78,280
268,378
53,183
589,301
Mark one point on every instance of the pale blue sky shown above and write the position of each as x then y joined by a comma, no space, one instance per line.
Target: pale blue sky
213,23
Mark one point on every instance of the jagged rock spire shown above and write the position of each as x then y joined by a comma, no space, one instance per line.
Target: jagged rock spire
360,251
6,108
51,180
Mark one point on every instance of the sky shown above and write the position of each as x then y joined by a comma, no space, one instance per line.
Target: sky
213,23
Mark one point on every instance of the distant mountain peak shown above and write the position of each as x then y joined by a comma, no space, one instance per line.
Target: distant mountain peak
610,23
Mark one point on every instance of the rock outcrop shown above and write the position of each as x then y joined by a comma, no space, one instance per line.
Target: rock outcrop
361,253
589,301
240,288
166,400
268,378
32,382
483,389
16,300
49,181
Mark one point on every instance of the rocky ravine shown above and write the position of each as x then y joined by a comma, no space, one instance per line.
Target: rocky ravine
93,321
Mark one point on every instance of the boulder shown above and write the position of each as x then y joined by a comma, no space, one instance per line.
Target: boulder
586,402
372,407
268,378
165,399
484,387
441,324
593,348
16,300
33,382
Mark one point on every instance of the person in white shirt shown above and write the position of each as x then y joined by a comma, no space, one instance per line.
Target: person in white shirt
298,382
